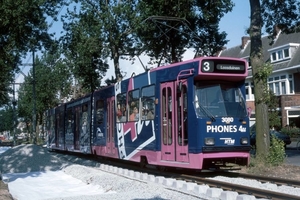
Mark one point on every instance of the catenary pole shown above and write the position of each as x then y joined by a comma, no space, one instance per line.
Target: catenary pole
34,101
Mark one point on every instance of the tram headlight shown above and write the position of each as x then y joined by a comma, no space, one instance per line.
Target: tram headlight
209,141
244,140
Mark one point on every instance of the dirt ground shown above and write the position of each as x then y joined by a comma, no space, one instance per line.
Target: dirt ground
4,193
283,171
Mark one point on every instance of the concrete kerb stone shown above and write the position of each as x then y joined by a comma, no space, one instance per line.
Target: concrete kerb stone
168,181
188,186
125,172
137,175
120,170
213,192
115,169
178,184
201,189
245,197
144,176
151,178
110,168
104,167
159,179
228,195
131,173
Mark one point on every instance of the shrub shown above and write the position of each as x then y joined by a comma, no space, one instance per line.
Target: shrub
291,131
276,154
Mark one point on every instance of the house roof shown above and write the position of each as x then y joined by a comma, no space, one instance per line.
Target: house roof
269,43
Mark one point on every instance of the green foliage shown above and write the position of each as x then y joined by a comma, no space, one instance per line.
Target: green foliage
23,26
167,28
291,131
284,13
52,83
261,76
276,154
6,119
273,104
99,31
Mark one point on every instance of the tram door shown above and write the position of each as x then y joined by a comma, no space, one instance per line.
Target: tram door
77,131
174,139
59,130
110,127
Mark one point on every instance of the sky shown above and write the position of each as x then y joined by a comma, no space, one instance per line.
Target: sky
234,24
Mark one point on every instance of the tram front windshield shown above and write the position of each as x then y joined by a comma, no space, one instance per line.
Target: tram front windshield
219,101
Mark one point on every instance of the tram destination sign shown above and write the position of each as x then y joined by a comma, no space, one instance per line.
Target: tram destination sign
230,67
222,66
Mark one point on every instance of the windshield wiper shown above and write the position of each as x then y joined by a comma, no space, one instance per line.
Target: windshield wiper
208,114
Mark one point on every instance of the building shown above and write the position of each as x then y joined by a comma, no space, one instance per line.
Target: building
283,52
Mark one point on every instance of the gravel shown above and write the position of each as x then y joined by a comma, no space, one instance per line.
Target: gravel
33,158
118,183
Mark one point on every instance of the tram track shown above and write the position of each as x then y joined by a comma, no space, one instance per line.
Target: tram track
206,178
241,189
266,179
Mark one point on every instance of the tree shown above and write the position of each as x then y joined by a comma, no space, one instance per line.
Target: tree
83,48
100,30
265,13
168,28
7,118
209,40
273,113
53,86
22,25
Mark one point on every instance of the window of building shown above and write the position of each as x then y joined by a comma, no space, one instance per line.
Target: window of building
281,84
249,90
286,53
291,84
279,55
249,63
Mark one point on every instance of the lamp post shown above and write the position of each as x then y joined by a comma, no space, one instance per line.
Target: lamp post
14,102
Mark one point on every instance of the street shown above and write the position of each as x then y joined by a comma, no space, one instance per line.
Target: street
293,155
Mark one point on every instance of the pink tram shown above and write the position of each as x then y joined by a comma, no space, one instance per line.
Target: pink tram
190,114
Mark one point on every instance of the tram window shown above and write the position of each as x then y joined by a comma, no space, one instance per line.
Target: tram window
167,116
121,108
70,121
148,106
99,111
84,118
182,117
133,105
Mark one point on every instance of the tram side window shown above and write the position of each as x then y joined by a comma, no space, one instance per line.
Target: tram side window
148,106
99,111
182,117
133,105
52,125
69,124
84,118
121,107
